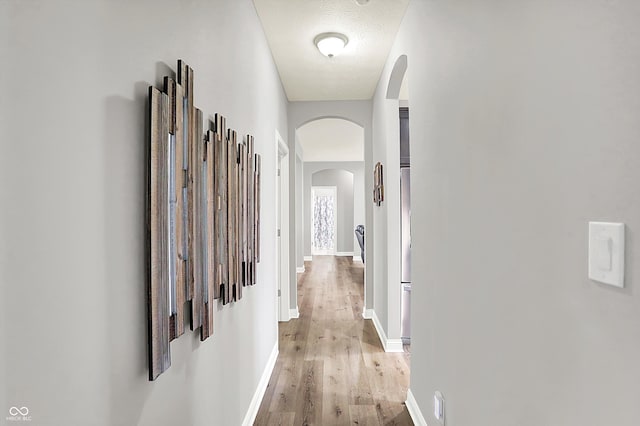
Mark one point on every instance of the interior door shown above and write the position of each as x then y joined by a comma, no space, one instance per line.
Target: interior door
324,220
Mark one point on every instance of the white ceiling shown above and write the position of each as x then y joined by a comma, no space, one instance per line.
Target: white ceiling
291,25
331,139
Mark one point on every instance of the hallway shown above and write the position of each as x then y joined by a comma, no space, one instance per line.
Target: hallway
332,369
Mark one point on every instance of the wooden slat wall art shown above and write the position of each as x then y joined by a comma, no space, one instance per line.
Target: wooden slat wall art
221,194
176,178
158,226
203,216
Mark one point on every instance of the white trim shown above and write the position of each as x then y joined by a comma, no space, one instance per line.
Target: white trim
254,406
367,313
300,270
285,315
282,225
294,313
344,253
357,258
389,345
414,410
394,345
308,258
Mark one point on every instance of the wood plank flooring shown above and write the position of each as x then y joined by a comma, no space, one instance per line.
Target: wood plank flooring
332,369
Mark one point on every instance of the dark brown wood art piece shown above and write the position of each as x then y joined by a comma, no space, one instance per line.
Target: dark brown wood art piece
378,185
158,227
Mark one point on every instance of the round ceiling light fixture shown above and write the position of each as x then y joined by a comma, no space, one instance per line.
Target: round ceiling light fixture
331,44
362,2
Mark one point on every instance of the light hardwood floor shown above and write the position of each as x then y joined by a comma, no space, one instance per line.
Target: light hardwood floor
332,369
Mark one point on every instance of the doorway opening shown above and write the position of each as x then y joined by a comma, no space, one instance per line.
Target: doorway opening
331,152
324,220
398,95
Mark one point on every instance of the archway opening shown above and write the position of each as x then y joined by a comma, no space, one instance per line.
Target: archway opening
398,91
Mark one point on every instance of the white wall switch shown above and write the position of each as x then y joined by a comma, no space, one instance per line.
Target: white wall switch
438,407
606,253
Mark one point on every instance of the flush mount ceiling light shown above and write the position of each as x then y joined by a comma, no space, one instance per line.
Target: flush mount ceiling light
362,2
331,44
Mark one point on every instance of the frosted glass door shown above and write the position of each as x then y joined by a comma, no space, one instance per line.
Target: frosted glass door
323,209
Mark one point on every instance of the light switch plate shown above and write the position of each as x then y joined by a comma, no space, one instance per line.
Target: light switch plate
438,407
606,253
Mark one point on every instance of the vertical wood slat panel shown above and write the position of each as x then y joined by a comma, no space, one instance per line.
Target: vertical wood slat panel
250,212
175,93
198,230
158,296
210,261
238,228
191,146
181,230
231,215
220,182
185,79
257,207
243,213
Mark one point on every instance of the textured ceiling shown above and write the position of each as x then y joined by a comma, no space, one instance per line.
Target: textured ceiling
291,25
331,139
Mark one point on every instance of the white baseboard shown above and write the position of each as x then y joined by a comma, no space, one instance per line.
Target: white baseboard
308,258
414,410
300,270
357,258
344,253
394,345
389,345
252,412
367,313
294,313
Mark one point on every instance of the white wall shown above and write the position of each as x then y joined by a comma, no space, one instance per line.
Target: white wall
386,217
524,126
72,246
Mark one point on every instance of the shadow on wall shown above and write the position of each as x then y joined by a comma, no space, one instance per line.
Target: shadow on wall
125,237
